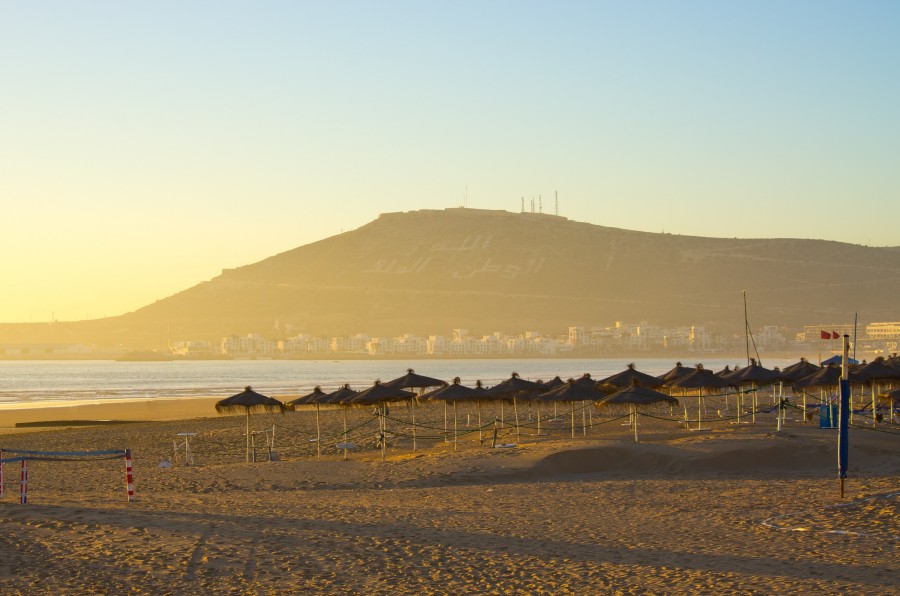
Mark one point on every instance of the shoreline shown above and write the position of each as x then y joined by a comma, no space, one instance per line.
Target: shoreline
161,409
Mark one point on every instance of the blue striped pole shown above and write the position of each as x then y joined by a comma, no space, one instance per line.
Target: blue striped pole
844,416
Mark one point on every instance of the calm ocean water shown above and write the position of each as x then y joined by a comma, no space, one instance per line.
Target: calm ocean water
52,382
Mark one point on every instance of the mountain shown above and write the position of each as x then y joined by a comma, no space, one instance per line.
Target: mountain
431,271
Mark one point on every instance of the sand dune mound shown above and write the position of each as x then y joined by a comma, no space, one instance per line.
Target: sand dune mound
747,459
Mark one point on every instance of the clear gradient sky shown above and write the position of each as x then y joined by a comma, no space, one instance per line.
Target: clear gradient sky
144,146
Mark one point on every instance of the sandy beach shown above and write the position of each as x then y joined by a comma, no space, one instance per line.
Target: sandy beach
738,509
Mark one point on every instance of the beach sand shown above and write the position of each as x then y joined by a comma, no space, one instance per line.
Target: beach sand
739,509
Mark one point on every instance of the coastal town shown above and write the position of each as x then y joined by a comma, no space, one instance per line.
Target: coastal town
628,339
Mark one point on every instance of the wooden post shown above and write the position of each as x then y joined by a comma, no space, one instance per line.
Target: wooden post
318,435
455,434
635,414
516,410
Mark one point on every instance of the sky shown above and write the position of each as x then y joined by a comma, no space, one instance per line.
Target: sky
145,146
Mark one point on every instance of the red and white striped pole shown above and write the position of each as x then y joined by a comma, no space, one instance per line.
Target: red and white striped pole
23,491
129,480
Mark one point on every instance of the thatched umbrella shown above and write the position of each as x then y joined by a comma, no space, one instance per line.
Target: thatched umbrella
753,376
724,372
553,383
891,396
629,377
337,398
636,396
379,396
510,388
797,371
699,379
675,373
411,380
571,392
827,377
550,385
315,398
248,401
872,373
451,393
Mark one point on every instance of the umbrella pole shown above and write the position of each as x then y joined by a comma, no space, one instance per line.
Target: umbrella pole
591,415
480,430
414,422
455,436
583,419
539,418
874,420
345,432
699,401
383,431
635,414
446,439
248,435
516,411
318,435
502,425
753,414
573,419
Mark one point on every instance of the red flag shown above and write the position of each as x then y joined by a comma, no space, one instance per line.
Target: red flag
825,335
834,335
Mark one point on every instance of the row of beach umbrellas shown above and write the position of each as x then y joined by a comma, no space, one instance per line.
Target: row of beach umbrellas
630,387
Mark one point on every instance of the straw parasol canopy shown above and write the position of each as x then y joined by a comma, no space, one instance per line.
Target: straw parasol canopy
380,394
877,370
514,384
754,374
799,370
827,376
342,396
629,377
247,402
315,398
511,388
699,379
571,392
452,393
554,383
724,372
586,381
635,396
677,372
411,380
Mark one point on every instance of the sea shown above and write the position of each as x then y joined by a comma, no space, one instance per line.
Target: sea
61,382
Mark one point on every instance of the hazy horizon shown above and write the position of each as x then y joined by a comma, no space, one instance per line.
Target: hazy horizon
146,148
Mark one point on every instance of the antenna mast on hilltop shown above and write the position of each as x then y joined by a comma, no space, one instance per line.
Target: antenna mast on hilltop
556,198
540,204
523,204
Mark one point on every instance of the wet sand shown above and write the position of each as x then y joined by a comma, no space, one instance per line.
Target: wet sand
739,509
